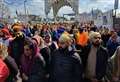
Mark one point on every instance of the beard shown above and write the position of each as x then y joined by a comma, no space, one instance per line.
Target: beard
96,44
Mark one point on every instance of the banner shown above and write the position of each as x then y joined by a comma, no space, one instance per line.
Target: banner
116,4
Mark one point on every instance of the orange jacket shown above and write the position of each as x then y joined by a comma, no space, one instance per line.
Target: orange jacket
82,38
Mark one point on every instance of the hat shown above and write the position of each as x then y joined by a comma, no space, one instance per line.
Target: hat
64,38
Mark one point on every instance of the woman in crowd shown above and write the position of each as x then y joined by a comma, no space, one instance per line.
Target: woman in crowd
32,63
50,43
5,36
12,66
44,51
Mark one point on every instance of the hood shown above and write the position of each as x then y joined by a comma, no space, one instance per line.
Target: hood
39,41
32,45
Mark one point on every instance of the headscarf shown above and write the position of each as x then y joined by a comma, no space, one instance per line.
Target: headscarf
50,39
28,41
26,63
39,41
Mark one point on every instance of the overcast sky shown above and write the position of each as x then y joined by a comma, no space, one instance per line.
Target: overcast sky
37,6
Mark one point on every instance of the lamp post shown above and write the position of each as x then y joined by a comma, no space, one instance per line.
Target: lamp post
25,10
25,6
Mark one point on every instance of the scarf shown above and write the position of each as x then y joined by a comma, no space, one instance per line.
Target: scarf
91,63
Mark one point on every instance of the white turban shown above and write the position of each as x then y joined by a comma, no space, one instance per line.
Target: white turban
93,35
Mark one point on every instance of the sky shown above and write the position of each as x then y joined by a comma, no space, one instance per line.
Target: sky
37,6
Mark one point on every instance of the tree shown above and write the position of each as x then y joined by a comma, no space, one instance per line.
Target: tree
4,10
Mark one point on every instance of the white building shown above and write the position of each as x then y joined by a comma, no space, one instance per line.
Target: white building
84,17
108,19
100,18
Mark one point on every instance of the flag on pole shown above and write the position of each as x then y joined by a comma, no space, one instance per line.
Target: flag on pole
116,4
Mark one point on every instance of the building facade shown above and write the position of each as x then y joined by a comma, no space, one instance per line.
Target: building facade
98,17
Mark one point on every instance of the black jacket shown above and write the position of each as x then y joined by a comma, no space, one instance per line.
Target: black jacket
45,52
38,70
101,61
65,67
10,62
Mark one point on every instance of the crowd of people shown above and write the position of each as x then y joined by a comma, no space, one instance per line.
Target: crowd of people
59,52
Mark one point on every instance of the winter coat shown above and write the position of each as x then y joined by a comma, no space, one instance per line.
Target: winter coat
105,38
4,71
45,52
82,38
113,66
101,61
26,64
38,70
55,36
65,66
27,31
12,67
112,46
17,48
